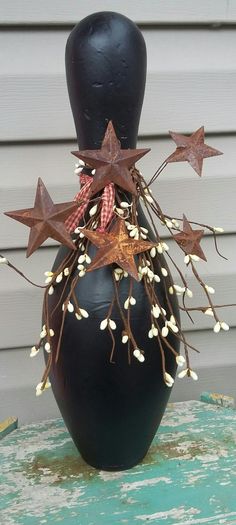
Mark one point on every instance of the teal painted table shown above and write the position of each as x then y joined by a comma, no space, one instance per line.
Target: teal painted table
187,478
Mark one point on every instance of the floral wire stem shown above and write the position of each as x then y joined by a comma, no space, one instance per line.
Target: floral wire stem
161,216
22,274
73,264
157,173
178,335
128,322
128,319
127,328
113,344
210,228
163,361
184,283
205,290
203,308
129,211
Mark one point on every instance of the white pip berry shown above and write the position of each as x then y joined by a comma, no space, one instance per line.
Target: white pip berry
165,331
70,307
180,360
125,338
107,322
189,293
155,311
188,372
3,260
112,324
148,197
164,272
47,347
168,223
169,381
125,204
83,313
43,332
191,257
103,324
209,311
138,354
218,230
220,325
209,289
93,210
40,389
153,332
49,278
34,351
51,290
59,277
130,300
179,289
162,247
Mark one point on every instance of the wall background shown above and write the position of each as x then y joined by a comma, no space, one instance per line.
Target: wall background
191,81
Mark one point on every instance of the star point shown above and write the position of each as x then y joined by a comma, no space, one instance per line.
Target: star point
112,163
192,149
45,219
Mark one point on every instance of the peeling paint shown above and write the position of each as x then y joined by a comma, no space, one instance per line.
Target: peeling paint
126,487
178,513
188,476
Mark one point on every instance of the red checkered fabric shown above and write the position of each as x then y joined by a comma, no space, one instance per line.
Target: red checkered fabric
83,198
108,200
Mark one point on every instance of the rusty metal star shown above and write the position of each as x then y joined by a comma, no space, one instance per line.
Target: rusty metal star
192,149
117,247
111,162
45,219
189,240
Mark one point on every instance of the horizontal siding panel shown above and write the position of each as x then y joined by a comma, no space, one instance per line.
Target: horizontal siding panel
22,303
173,196
55,165
154,11
37,107
204,50
17,385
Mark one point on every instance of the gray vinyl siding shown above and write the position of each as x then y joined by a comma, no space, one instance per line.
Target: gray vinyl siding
191,82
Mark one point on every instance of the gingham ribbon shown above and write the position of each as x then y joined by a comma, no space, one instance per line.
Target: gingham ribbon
108,200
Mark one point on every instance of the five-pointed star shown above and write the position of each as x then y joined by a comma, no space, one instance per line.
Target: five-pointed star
111,162
45,219
116,246
192,149
189,240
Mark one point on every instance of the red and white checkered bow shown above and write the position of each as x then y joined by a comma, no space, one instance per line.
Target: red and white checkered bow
108,201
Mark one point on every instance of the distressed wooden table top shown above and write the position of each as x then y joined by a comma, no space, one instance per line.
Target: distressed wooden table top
187,478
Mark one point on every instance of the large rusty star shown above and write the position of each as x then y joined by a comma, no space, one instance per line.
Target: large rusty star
45,219
116,246
189,240
111,162
192,149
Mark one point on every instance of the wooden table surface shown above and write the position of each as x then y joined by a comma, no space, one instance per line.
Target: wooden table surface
187,478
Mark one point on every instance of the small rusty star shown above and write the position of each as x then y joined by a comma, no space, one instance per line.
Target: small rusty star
192,149
45,219
116,246
111,162
189,240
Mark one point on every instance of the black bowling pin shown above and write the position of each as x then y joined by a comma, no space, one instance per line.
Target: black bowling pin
112,410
